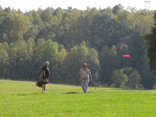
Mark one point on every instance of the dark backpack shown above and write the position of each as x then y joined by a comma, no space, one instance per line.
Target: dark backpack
39,83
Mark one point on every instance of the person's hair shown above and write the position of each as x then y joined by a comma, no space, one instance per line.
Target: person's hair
47,62
84,64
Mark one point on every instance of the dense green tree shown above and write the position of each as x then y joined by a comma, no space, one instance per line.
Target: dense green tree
1,9
122,18
116,8
70,37
58,11
35,18
150,40
134,81
104,58
47,32
8,10
14,27
46,15
93,61
13,55
4,59
119,78
147,78
105,31
58,70
126,78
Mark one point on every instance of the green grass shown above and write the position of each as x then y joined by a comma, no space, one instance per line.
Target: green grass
24,99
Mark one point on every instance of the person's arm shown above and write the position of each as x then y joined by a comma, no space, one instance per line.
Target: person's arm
39,77
48,73
40,73
90,75
79,77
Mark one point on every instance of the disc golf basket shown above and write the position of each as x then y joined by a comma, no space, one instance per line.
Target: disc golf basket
96,81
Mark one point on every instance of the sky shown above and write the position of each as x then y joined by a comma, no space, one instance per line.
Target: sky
26,5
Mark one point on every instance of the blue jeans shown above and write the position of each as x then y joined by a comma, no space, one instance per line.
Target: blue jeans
84,84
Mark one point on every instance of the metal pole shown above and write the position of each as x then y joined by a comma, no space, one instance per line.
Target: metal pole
95,86
123,62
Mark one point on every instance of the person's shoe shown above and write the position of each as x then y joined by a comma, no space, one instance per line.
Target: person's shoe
44,91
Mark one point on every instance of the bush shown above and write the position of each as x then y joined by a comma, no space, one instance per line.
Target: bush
127,78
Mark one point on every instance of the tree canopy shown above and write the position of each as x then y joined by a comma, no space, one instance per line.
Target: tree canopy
69,37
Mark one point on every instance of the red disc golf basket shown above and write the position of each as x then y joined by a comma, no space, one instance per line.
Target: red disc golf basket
125,56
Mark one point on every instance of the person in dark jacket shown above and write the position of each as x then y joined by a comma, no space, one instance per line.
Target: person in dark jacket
46,73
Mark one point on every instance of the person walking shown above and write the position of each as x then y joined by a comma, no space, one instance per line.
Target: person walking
45,72
84,75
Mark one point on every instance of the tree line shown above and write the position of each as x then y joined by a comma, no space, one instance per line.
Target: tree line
69,37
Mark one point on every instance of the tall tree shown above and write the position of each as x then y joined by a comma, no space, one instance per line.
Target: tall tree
4,59
14,27
116,8
150,41
46,15
119,78
93,61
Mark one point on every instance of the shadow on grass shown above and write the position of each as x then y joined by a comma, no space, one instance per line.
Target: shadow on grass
71,93
28,94
92,92
77,92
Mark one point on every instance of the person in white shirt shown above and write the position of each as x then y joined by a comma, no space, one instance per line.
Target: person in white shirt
84,75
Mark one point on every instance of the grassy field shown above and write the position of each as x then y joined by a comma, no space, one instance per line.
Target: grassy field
24,99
